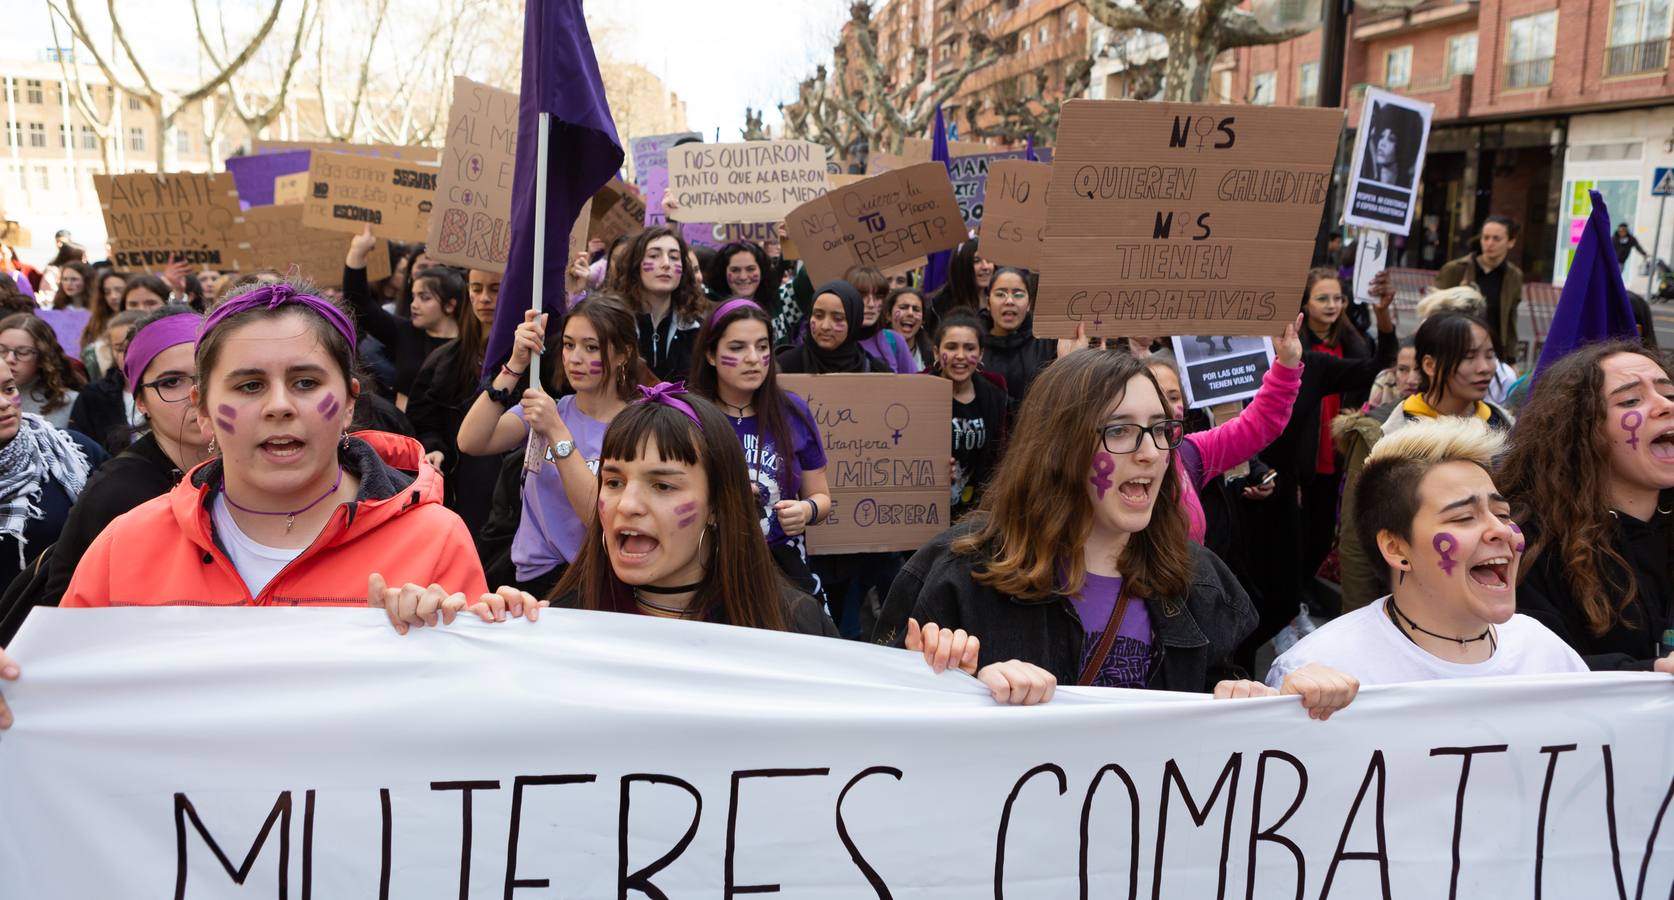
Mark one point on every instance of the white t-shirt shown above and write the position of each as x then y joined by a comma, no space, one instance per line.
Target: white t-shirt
1367,645
256,563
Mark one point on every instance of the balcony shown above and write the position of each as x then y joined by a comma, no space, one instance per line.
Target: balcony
1632,59
1530,73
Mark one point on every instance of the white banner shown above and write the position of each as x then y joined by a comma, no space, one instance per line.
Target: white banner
197,753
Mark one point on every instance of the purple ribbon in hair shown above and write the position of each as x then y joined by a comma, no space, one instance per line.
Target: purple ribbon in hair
729,306
664,394
276,295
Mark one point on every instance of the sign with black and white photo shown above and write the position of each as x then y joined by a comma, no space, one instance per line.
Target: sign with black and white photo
1221,369
1388,162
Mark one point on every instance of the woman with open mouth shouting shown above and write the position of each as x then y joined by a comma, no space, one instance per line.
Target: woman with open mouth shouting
677,534
1426,502
1590,474
783,454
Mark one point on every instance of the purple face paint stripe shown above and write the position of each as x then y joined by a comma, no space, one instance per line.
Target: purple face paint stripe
1103,465
225,425
687,522
1521,541
729,361
227,412
330,400
1445,544
1631,420
594,367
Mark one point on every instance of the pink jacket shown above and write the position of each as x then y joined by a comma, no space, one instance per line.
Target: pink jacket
1239,438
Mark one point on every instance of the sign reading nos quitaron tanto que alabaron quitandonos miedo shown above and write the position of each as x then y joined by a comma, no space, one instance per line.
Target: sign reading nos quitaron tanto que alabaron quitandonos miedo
1173,218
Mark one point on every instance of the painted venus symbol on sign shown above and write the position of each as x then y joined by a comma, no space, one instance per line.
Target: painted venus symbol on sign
1175,218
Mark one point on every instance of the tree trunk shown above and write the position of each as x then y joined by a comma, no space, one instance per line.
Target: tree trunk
1190,59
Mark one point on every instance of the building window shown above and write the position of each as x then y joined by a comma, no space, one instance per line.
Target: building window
66,136
133,103
1045,34
1262,88
43,177
1531,42
1638,37
32,92
1397,67
183,141
1307,85
14,134
136,139
37,134
1027,41
1461,54
1071,21
89,139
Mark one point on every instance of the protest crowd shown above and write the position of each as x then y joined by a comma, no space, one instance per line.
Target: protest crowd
1388,503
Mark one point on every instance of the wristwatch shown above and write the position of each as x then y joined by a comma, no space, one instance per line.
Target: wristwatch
560,450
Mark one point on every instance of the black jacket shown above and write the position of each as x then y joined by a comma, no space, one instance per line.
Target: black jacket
1197,633
1323,374
437,408
1017,357
139,473
407,345
803,615
101,412
42,533
1632,643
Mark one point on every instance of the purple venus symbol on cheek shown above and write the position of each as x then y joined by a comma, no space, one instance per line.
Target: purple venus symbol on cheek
1445,544
329,407
1521,543
1103,465
687,513
1631,420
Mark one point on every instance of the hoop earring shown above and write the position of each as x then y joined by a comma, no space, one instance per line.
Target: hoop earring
700,542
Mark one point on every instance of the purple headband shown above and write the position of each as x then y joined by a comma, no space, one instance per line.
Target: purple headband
169,331
664,394
274,296
730,305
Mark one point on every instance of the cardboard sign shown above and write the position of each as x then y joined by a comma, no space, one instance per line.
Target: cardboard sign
67,325
651,152
755,181
1371,256
617,210
1175,218
191,216
386,151
1221,369
878,163
290,189
970,176
13,234
256,176
347,192
280,241
470,226
1014,221
887,442
921,149
883,221
579,228
1388,162
718,235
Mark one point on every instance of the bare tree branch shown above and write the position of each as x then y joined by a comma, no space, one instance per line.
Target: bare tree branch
82,97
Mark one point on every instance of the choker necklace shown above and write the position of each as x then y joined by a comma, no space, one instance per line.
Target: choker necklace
677,611
682,589
1487,633
290,517
738,416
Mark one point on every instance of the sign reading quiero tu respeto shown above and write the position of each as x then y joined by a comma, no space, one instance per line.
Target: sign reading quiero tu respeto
756,181
1173,218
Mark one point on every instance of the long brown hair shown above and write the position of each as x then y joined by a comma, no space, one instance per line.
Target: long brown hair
741,584
614,323
773,408
1038,514
53,375
1557,476
100,319
460,382
628,281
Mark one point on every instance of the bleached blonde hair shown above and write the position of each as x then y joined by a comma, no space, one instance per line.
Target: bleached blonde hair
1462,299
1431,442
1386,495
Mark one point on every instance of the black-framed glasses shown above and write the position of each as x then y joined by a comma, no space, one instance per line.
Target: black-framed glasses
1125,438
171,388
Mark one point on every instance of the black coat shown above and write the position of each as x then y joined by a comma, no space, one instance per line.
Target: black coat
437,408
139,473
1633,642
407,345
1017,357
1322,375
101,412
42,533
1197,633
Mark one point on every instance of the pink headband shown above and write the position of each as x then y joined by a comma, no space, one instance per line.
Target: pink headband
664,394
730,305
169,331
274,296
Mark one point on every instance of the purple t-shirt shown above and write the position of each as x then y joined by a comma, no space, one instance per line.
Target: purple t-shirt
1129,662
550,532
773,481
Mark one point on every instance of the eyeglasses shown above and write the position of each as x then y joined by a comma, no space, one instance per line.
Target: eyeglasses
19,352
1125,438
172,388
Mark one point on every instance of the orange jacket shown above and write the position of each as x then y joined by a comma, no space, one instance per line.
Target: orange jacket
164,552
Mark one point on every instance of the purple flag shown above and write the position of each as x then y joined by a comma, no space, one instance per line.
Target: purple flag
1594,305
254,174
560,77
935,273
1029,149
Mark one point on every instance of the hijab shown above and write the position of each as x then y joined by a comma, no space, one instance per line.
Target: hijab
847,357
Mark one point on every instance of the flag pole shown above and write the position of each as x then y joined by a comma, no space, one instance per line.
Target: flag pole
535,452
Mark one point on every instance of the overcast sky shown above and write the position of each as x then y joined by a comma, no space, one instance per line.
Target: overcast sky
718,55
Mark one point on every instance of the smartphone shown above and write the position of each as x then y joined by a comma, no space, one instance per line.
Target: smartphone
1271,476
